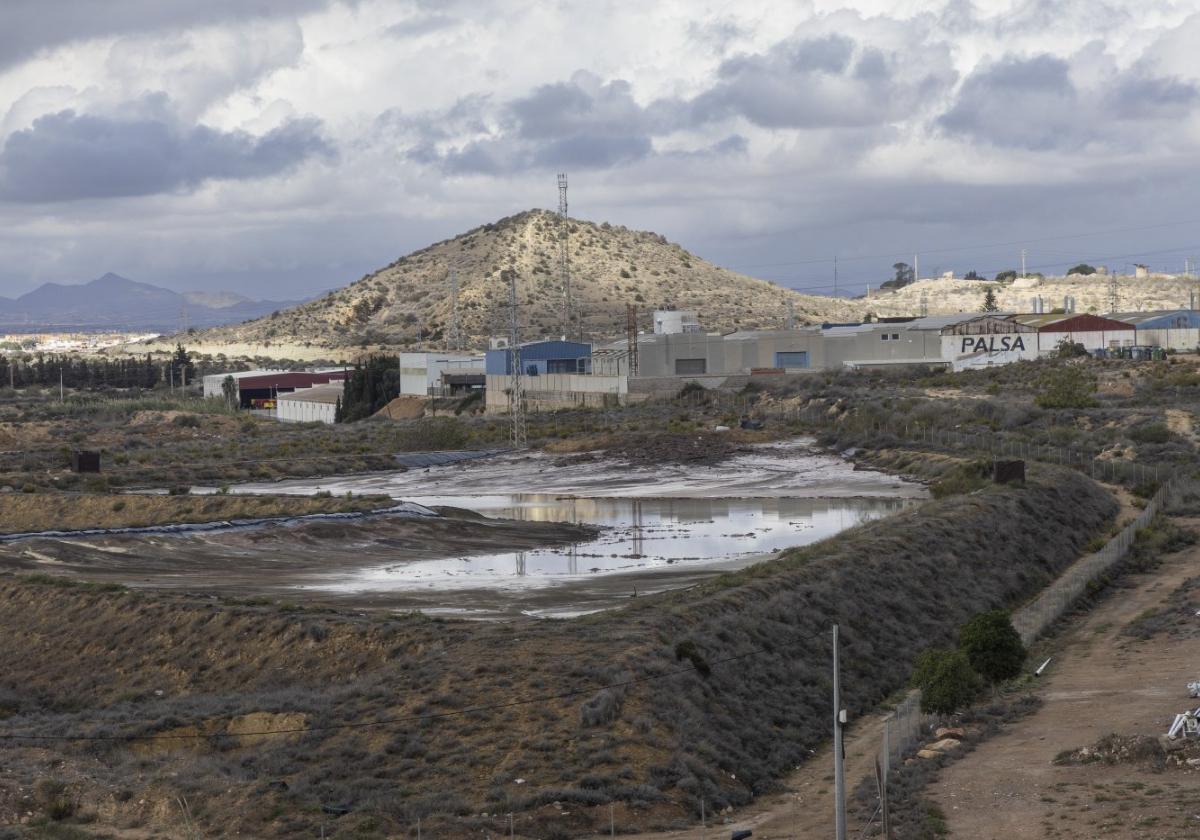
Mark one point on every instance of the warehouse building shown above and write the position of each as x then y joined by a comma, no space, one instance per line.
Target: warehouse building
1171,329
259,389
310,405
1094,332
557,374
424,374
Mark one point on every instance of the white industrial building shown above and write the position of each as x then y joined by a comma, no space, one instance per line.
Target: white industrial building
676,321
310,405
426,374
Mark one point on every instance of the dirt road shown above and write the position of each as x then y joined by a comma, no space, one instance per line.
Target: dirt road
1100,682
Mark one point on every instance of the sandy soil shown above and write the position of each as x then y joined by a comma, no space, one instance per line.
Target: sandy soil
1100,682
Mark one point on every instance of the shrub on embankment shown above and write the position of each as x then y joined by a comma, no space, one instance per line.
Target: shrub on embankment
896,587
152,664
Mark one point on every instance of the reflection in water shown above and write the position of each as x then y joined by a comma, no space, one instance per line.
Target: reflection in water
640,534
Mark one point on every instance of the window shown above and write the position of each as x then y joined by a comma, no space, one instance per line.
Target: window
895,336
690,367
563,366
796,359
883,337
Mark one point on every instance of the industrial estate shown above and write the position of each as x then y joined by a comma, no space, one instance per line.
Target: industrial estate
782,567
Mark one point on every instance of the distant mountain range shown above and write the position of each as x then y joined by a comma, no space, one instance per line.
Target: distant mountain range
113,302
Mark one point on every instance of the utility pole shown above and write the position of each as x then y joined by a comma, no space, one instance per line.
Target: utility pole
454,338
1024,253
516,391
924,304
564,254
835,276
61,398
1112,293
631,338
791,317
916,267
839,770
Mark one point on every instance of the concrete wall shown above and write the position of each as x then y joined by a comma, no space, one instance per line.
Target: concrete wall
1048,341
1170,339
302,411
553,391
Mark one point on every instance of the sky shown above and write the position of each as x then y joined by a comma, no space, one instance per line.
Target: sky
278,148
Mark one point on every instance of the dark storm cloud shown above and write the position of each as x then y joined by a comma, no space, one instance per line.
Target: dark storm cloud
1022,103
829,82
27,26
1139,96
67,156
582,123
1034,104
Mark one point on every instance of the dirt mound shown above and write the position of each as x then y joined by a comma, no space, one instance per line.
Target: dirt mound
1141,750
403,408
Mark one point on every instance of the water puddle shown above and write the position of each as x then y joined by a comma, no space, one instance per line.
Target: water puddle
641,535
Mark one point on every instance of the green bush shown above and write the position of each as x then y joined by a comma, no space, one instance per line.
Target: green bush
1067,387
1150,433
946,679
993,646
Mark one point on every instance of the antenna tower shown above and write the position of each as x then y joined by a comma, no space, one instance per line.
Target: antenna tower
564,257
924,303
454,336
1112,293
516,391
631,337
791,318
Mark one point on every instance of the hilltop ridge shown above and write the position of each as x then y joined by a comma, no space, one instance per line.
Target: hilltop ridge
409,302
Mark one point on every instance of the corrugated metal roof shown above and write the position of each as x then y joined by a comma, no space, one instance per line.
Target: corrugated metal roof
1137,319
939,322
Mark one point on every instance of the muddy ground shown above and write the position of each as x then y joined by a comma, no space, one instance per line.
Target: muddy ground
276,561
1102,681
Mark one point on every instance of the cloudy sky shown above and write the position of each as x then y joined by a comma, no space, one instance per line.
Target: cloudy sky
282,147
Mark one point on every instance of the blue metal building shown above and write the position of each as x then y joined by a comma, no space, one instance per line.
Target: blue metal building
1173,329
539,358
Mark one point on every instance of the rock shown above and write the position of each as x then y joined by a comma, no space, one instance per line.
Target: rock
944,745
1193,762
954,732
928,754
720,428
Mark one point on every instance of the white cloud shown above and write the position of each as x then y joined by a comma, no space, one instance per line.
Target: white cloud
750,132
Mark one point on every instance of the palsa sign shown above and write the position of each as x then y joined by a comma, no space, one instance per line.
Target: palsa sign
991,343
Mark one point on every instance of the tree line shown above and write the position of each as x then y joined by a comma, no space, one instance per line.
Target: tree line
369,387
92,373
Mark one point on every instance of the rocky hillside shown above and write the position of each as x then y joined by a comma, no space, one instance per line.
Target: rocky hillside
409,302
1091,293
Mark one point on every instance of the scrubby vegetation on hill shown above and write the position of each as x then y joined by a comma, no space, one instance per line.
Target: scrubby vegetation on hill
409,302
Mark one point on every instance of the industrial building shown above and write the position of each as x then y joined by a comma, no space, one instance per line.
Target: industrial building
426,374
1094,332
1171,329
557,374
310,405
259,389
539,358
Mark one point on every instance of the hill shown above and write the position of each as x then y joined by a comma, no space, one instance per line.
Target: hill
409,302
1091,294
115,302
